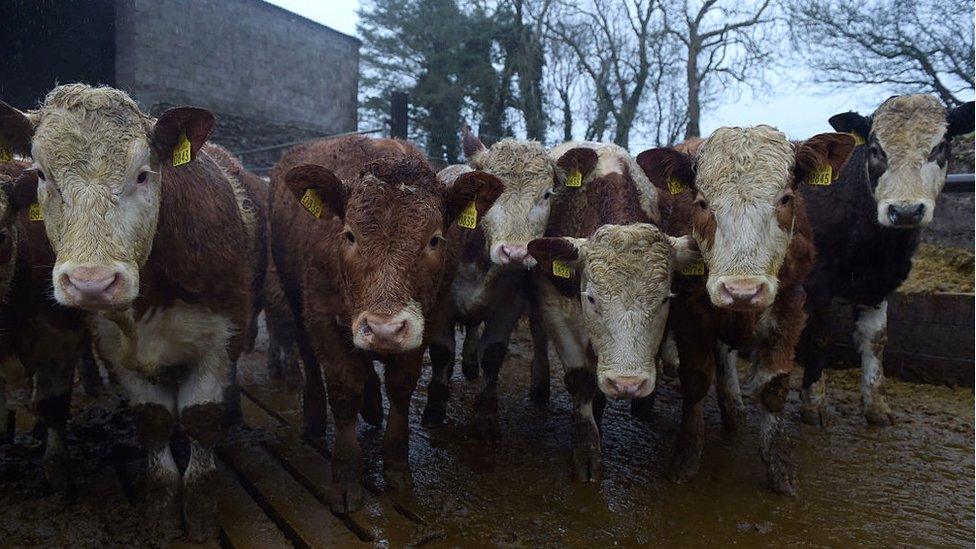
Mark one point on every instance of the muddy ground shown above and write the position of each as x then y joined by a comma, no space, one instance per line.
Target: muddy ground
908,485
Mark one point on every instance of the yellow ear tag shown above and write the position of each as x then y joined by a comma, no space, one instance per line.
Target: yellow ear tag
5,155
822,177
575,179
468,218
858,140
694,269
34,212
675,186
181,153
561,269
313,202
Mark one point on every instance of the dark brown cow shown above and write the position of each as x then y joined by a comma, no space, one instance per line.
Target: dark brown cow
365,240
46,338
738,199
148,236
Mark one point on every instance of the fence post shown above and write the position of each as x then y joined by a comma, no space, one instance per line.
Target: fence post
398,115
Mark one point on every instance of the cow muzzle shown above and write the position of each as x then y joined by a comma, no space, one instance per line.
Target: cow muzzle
626,386
515,256
742,293
904,214
92,287
396,333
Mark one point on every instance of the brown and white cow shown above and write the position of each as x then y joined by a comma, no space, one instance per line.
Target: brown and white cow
46,338
739,200
490,287
147,235
602,286
365,241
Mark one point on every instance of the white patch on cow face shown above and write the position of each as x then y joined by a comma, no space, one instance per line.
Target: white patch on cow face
743,174
908,128
626,278
521,213
99,191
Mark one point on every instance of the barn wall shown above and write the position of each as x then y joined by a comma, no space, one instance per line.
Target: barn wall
271,76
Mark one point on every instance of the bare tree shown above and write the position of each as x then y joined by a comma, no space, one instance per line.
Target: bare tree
726,42
911,45
611,40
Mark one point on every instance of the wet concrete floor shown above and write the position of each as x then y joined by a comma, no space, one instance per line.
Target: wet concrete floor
907,485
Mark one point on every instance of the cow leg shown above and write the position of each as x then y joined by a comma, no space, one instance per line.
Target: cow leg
587,451
727,387
870,335
200,403
441,349
539,389
372,412
8,423
695,372
54,379
469,352
153,410
282,351
401,380
494,342
91,379
813,348
314,397
772,388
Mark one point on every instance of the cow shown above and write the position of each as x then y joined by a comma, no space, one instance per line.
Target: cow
365,239
46,338
489,288
148,238
739,201
603,285
870,220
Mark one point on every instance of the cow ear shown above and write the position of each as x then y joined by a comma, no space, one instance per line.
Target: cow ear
317,189
670,170
473,147
549,249
684,253
16,131
193,123
480,188
820,158
581,159
960,120
852,123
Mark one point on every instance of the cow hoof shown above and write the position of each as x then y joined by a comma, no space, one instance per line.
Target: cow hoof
587,464
398,479
643,408
372,413
345,497
880,418
816,416
162,509
487,426
200,505
733,414
782,477
539,395
56,472
684,466
470,370
434,414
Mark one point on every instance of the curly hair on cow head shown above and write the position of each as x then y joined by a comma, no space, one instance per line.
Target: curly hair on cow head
403,170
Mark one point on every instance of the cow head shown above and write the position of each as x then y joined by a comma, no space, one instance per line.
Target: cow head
98,160
908,145
744,210
625,286
531,178
17,187
391,249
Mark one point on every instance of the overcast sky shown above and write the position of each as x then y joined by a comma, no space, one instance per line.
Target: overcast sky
797,108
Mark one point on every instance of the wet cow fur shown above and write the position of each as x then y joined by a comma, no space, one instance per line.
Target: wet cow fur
751,166
903,161
177,324
45,337
363,281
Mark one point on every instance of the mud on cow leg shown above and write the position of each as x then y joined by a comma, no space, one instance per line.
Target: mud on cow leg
727,387
812,350
587,451
870,336
154,423
52,403
469,351
696,377
773,388
402,376
372,412
441,352
486,402
202,425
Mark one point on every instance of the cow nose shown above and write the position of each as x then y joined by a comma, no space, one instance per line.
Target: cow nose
91,283
906,214
627,386
504,256
384,332
513,254
742,293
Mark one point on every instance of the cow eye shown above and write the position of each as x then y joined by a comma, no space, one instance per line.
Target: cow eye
434,241
786,199
142,177
40,175
590,299
940,149
702,204
349,236
547,195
